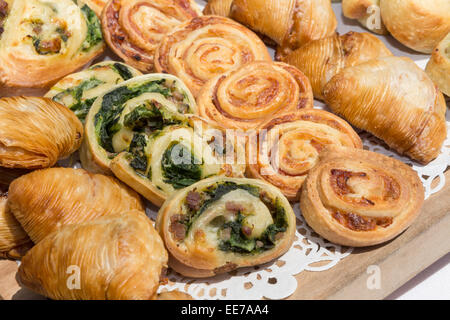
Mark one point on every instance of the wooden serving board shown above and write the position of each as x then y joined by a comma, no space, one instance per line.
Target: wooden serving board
398,261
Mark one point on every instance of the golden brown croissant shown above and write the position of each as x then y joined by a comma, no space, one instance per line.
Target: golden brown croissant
245,97
36,132
360,198
221,224
438,68
134,28
418,24
396,101
119,257
367,12
218,7
320,60
14,242
45,200
205,47
42,41
288,146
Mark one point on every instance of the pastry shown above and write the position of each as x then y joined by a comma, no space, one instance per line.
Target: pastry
170,159
96,5
396,101
146,103
360,198
42,42
418,24
78,91
134,28
438,67
287,147
205,47
367,12
36,132
287,23
14,242
245,97
221,224
119,257
45,200
173,295
320,60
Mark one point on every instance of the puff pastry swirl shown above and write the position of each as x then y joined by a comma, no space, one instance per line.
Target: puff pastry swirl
396,101
243,98
438,68
78,91
288,147
360,198
36,132
45,200
134,28
42,42
418,24
112,258
322,59
205,47
140,105
220,224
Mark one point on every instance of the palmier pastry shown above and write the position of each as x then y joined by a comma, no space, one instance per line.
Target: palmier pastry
146,103
367,12
42,41
205,47
134,28
45,200
287,147
320,60
418,24
287,23
172,158
360,198
245,97
78,91
14,242
120,257
96,5
438,67
221,224
396,101
36,132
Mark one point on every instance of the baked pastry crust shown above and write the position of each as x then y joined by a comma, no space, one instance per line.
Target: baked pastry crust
173,158
118,257
244,98
205,47
96,5
320,60
134,28
396,101
106,131
418,24
78,91
289,23
367,12
36,132
66,196
205,245
42,42
14,242
438,68
218,8
288,147
360,198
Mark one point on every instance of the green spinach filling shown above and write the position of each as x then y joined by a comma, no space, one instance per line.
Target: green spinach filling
80,107
139,160
123,71
94,31
185,170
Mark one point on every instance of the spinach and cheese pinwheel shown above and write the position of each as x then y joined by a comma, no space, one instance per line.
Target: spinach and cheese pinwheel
221,224
42,41
173,158
78,91
141,105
